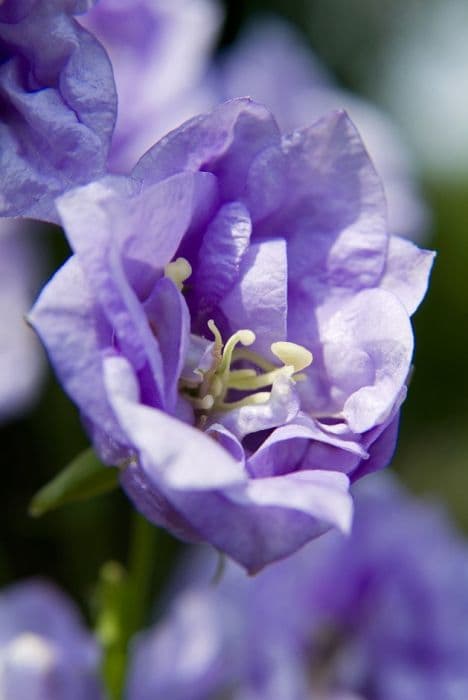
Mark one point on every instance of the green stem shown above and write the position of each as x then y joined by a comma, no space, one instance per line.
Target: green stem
124,602
141,567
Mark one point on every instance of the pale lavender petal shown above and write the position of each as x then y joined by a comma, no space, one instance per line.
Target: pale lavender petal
169,319
225,241
59,106
407,272
77,336
267,519
224,142
258,299
377,324
167,45
170,452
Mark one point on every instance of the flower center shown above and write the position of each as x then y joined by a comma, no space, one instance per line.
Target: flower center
210,395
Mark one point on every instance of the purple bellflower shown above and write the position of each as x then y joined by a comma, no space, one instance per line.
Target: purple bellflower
159,52
378,616
21,357
234,327
57,105
271,63
45,651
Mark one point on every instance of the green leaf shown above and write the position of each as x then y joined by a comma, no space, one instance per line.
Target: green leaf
85,477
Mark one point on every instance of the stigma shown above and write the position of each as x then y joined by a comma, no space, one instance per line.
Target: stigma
254,374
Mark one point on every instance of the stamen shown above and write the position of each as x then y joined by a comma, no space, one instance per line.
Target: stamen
204,403
218,348
178,271
257,381
252,400
244,337
253,357
292,355
220,378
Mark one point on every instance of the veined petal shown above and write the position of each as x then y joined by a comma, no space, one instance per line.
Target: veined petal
267,519
407,272
76,335
375,324
258,300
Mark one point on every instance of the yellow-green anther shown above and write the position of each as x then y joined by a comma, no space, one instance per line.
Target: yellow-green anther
178,271
292,355
220,378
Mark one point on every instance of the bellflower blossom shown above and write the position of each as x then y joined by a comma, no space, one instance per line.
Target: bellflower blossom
58,105
159,52
379,616
21,357
45,651
271,63
234,327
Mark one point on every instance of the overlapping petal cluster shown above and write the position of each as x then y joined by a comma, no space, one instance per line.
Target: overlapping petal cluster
234,327
159,52
272,63
58,105
45,651
376,615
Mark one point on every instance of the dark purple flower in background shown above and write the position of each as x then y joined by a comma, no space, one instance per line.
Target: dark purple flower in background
234,327
159,52
45,651
376,616
57,105
21,357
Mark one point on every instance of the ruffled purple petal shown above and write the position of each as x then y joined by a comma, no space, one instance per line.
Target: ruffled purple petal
258,298
59,107
224,142
170,452
77,335
267,519
407,272
169,319
225,242
370,337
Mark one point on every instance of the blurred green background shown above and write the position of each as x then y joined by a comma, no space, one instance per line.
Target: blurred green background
358,40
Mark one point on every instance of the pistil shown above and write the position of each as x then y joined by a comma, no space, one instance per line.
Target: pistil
211,394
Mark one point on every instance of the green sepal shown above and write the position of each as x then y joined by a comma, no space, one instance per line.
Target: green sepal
84,478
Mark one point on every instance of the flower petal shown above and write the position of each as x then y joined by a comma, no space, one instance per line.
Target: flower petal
407,272
267,519
170,452
375,324
259,297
